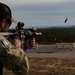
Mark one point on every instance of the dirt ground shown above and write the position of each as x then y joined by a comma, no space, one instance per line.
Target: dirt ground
49,66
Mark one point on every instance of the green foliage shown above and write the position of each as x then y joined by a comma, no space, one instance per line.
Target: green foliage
51,36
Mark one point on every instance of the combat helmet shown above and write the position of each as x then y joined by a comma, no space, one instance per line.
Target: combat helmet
5,12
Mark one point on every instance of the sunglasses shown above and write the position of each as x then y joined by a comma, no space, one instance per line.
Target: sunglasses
9,21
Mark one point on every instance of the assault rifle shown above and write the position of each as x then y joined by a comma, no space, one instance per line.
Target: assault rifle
23,33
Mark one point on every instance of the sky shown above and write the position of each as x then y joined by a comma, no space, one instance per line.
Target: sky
42,13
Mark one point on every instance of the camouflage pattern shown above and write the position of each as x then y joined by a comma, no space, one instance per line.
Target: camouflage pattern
13,58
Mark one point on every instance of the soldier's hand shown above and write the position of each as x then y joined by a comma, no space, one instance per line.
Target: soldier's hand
30,42
17,42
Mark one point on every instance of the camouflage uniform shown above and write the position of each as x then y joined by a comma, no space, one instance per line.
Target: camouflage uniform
13,58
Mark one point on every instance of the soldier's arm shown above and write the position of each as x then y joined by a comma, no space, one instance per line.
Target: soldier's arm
14,58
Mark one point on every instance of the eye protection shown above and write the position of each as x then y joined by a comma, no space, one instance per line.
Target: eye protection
9,21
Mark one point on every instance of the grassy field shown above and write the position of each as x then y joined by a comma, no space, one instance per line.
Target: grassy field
49,66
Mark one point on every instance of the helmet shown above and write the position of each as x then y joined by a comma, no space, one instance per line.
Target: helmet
5,12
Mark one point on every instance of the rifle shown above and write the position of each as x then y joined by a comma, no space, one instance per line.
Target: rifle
22,33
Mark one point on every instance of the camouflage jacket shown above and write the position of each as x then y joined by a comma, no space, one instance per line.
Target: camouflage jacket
13,58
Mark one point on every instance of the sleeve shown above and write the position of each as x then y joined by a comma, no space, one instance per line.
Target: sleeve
13,58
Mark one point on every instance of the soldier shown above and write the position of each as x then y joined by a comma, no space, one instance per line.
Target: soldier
11,57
